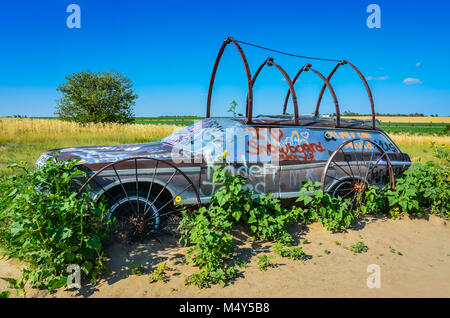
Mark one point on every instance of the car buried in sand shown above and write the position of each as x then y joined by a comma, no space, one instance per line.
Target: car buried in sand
275,154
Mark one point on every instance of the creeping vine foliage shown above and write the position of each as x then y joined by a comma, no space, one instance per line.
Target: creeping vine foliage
44,224
423,188
209,229
333,212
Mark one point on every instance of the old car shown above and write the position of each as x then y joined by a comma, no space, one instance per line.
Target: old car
275,153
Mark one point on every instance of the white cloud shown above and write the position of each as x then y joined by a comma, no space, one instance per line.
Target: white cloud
418,64
379,78
411,80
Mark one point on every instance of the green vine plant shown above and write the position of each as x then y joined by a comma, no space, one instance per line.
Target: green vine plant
47,226
44,224
232,109
422,189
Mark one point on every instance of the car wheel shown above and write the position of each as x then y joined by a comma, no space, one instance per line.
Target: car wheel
136,214
353,166
137,191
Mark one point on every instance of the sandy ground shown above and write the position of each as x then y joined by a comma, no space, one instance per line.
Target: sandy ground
422,271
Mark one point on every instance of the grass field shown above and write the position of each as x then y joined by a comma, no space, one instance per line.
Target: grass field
25,139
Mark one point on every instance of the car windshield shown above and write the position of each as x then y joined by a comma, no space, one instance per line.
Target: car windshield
205,134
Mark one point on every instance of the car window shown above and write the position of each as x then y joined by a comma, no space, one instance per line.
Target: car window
203,136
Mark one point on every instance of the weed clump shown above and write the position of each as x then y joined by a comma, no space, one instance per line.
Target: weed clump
45,224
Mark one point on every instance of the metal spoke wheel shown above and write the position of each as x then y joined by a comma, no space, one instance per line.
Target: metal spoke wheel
353,166
142,194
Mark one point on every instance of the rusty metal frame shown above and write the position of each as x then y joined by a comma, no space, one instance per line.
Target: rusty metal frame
269,61
288,93
369,92
305,68
248,74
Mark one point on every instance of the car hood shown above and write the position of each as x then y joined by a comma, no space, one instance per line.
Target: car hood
104,154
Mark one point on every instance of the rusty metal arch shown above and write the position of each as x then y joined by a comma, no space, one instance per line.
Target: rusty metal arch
369,92
307,67
248,74
288,93
269,61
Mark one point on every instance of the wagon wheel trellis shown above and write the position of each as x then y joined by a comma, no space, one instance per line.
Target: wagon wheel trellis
306,67
348,174
139,201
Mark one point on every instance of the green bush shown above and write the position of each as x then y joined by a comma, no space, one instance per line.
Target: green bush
423,188
294,252
334,213
441,152
209,229
45,224
358,248
264,262
98,97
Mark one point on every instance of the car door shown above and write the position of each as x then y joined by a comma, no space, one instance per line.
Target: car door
302,157
245,157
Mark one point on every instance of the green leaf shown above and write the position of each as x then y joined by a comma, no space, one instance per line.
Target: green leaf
94,243
16,228
66,233
57,283
5,294
87,267
307,200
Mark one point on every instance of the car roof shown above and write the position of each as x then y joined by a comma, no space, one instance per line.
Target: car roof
309,121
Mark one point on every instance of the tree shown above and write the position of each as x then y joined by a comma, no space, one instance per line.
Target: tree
99,97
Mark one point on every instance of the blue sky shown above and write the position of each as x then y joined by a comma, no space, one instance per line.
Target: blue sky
168,48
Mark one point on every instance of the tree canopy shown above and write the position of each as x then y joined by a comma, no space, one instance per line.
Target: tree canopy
99,97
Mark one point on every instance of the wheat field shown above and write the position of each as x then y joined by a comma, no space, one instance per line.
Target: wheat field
24,139
407,119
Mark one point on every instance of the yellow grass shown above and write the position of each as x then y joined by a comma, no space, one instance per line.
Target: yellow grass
406,119
422,140
36,130
25,139
418,147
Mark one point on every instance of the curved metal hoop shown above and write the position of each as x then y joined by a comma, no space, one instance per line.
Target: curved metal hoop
269,61
288,93
361,76
307,67
135,186
248,74
360,163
